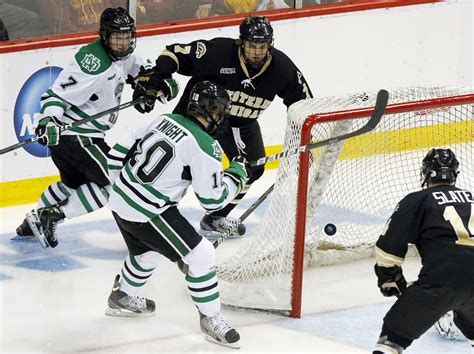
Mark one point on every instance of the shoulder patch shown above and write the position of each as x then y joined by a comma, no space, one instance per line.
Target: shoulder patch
200,50
93,59
90,63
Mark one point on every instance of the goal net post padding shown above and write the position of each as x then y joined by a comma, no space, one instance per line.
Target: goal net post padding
354,184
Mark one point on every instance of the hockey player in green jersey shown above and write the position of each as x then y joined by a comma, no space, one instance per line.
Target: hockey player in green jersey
92,83
161,161
253,72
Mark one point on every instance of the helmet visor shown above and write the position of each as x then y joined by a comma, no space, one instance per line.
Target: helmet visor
121,44
255,52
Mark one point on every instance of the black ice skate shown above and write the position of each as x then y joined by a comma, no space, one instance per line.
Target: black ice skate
214,226
216,330
44,223
123,305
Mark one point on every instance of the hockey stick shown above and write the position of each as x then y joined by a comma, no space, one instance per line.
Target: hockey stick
75,124
183,267
379,109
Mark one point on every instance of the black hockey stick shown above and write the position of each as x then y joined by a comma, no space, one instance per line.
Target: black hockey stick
183,267
75,124
379,109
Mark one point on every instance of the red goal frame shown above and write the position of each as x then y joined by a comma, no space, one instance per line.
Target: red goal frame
298,256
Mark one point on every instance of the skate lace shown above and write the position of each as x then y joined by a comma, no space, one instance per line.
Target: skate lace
136,302
53,230
218,325
227,224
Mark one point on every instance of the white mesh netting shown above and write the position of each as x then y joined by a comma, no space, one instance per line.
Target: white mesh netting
354,185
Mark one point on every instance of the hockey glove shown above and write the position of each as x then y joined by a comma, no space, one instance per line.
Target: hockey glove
152,86
239,171
48,131
390,280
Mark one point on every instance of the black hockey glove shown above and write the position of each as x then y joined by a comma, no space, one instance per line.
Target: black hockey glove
390,280
152,86
48,131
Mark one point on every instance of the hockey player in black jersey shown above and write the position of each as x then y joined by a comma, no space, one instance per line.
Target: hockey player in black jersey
439,220
252,71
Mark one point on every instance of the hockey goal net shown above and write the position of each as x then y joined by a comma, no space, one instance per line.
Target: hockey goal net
354,184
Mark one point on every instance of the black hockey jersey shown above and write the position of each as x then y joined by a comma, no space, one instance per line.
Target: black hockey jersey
220,60
440,222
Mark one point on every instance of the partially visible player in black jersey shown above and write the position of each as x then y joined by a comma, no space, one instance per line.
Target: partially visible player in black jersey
252,71
439,221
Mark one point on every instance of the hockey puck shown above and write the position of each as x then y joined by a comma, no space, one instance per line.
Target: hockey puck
330,229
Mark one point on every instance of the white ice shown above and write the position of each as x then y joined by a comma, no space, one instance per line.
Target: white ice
54,300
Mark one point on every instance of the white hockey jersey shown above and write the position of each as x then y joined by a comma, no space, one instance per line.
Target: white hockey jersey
173,153
92,83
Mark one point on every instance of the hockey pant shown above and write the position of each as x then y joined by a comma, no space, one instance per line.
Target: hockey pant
421,305
172,236
82,165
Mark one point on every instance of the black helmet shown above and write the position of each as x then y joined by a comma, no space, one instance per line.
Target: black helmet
256,29
117,20
439,165
210,101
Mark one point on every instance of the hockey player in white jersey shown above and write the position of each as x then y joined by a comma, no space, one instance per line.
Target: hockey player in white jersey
173,153
92,83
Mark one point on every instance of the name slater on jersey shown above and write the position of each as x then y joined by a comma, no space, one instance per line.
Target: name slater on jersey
458,196
171,130
254,106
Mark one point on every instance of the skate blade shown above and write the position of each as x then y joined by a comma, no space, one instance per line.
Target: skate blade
214,235
125,313
35,225
18,238
235,345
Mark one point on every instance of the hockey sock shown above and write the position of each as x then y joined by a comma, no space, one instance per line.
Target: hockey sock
86,199
53,194
229,207
136,271
204,292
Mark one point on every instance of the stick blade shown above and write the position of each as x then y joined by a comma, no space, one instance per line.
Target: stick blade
379,109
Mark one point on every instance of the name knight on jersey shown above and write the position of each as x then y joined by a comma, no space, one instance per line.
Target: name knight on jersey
458,196
252,107
171,130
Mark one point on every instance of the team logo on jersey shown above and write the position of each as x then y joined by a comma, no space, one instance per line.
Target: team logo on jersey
200,50
90,62
27,107
217,151
228,71
247,83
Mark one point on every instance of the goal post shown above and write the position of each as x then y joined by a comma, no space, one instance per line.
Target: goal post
354,184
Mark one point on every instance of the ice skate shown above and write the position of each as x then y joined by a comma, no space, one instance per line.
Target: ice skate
123,305
216,330
44,223
214,226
